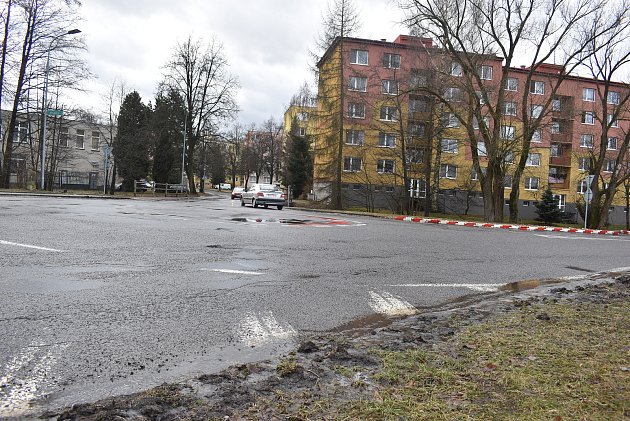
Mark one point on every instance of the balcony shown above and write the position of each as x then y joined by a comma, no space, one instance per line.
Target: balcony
556,183
561,161
561,138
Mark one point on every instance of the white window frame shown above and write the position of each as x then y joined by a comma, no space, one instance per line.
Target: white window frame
356,57
448,171
97,138
554,127
537,87
356,110
357,83
355,137
588,117
417,188
509,108
532,183
451,120
386,140
349,164
555,150
536,110
417,129
613,121
556,105
414,155
64,136
609,165
584,164
453,94
456,69
533,159
508,132
537,136
588,94
388,113
613,98
511,84
481,149
449,145
389,87
385,166
587,140
485,72
611,145
20,133
79,139
389,62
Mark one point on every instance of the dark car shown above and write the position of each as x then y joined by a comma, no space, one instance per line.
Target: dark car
264,195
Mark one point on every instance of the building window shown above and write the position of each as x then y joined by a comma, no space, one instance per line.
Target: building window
508,108
475,122
417,129
562,201
356,83
456,69
509,158
387,140
533,160
453,94
582,187
485,72
359,57
391,61
414,155
609,165
511,84
63,137
417,188
356,110
612,144
389,113
450,120
587,141
301,131
554,127
537,87
480,99
389,87
613,121
537,136
385,166
96,140
556,150
613,98
21,132
556,105
80,139
417,105
584,164
352,164
448,171
588,117
302,116
449,145
507,181
481,149
588,94
532,183
417,80
536,111
356,187
355,137
508,132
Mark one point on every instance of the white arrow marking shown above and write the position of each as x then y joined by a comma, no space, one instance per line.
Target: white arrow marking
9,243
257,329
386,303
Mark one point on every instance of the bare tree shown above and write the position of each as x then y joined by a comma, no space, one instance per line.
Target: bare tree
199,72
34,37
340,21
271,132
471,33
235,140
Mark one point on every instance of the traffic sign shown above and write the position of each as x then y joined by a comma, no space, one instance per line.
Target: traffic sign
55,113
588,196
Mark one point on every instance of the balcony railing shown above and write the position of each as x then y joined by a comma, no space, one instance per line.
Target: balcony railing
561,161
558,183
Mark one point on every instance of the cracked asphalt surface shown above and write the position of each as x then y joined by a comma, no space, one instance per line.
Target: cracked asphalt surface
103,297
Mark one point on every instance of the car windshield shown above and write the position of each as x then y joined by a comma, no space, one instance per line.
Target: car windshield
268,187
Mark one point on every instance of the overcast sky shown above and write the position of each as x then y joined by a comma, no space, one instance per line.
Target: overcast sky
266,43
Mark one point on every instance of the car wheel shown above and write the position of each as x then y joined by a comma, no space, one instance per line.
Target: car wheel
254,204
265,206
279,207
242,202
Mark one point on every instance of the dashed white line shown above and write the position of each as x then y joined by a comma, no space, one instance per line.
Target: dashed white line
258,329
386,303
474,287
234,271
9,243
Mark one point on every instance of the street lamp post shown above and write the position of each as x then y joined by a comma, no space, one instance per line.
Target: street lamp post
184,151
45,105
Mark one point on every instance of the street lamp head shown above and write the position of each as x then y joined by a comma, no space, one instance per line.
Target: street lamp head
74,31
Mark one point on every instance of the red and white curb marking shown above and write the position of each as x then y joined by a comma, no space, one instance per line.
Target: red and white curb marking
510,226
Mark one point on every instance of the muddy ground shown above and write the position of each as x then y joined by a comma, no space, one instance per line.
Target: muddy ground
328,370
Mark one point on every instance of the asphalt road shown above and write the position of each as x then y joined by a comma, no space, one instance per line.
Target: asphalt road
101,297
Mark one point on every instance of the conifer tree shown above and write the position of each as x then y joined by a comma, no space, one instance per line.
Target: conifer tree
547,209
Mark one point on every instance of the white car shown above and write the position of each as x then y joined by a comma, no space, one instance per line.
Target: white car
264,195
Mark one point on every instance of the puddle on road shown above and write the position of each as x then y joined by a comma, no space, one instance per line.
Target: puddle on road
529,284
358,326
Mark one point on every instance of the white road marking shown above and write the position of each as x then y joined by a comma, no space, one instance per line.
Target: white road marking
567,237
474,287
17,393
9,243
239,272
386,303
258,329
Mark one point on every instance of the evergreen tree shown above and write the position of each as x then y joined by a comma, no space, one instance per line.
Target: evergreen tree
132,145
299,163
167,125
547,209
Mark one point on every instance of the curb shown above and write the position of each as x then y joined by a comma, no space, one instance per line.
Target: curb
510,226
